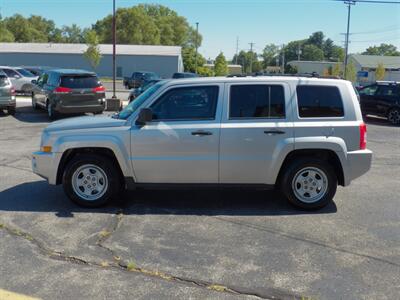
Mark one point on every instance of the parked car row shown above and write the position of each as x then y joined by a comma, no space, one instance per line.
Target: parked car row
20,78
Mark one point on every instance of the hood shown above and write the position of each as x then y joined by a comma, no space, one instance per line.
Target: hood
85,123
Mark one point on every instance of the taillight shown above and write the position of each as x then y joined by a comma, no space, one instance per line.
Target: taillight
13,92
62,90
99,89
363,136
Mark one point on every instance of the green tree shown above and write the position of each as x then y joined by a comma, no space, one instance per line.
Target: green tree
351,74
189,59
249,61
312,53
5,35
23,31
336,70
92,53
380,72
205,71
382,49
73,34
220,65
269,55
316,39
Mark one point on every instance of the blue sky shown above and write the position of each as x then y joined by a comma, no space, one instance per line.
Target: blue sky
258,21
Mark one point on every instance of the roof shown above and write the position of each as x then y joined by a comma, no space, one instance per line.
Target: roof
51,48
71,71
372,61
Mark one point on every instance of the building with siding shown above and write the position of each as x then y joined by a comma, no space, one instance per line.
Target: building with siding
164,60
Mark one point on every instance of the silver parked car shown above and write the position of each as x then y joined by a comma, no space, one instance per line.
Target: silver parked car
302,135
7,94
20,78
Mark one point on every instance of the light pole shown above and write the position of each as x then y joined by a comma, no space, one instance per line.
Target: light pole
346,57
114,39
197,46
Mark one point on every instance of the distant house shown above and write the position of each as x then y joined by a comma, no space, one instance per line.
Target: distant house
232,69
164,60
365,66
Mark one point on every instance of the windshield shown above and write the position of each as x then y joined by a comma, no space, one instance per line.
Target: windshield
25,73
134,105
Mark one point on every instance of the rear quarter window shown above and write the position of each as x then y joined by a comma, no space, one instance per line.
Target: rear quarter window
319,101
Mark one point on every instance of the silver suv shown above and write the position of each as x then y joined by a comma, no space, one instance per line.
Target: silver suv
7,94
302,135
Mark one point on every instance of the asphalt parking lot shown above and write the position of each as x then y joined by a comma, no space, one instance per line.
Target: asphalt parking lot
197,244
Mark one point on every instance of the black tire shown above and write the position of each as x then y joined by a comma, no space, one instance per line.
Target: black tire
394,116
288,186
114,186
51,113
11,110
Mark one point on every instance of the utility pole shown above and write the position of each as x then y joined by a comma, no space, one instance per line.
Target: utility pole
251,58
349,3
237,50
114,38
197,46
283,59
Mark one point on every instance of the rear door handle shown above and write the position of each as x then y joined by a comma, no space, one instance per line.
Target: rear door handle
274,132
201,133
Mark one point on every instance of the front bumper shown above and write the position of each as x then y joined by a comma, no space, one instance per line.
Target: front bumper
45,165
358,163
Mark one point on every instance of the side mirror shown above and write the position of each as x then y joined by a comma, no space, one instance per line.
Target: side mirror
34,81
145,115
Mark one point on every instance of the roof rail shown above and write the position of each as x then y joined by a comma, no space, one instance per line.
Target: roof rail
308,75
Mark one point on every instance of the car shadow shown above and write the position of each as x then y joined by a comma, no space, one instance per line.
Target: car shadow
38,196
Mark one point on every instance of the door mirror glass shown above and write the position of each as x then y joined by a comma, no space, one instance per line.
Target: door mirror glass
145,115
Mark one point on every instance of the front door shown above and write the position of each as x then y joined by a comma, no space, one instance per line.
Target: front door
254,129
367,99
181,144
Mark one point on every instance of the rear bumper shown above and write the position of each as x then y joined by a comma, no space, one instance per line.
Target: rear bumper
358,163
46,165
79,109
7,103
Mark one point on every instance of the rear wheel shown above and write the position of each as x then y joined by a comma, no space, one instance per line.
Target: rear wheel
309,183
91,180
394,116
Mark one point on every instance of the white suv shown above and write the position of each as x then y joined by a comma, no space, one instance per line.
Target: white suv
303,135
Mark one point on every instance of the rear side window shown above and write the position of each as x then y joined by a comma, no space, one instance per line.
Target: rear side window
319,101
257,101
79,81
386,90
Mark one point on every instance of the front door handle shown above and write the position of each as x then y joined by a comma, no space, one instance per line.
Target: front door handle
274,132
201,133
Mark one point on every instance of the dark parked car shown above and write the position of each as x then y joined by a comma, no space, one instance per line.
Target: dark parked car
138,79
68,91
7,94
136,92
381,99
184,75
36,70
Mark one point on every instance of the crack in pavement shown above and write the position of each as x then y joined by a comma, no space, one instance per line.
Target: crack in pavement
306,240
16,168
121,265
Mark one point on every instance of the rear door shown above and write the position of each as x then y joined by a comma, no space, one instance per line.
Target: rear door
386,96
256,126
83,90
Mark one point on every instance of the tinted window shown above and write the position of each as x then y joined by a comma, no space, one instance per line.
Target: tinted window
53,79
319,101
25,73
43,79
257,101
368,90
79,81
11,73
192,103
386,90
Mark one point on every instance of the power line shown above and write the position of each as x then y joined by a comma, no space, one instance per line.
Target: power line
373,1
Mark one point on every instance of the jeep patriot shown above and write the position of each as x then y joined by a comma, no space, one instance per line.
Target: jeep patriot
301,135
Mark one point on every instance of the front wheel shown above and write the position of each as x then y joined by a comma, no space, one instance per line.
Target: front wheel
309,183
91,180
394,116
51,113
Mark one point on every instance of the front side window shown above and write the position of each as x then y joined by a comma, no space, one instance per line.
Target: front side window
11,73
43,79
319,101
368,90
188,103
257,101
